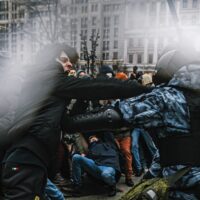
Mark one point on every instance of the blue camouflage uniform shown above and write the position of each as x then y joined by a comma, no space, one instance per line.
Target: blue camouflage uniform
166,110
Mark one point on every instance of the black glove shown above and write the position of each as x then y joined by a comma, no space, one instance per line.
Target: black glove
107,118
148,175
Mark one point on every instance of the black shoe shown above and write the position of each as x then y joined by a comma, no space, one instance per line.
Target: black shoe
129,182
139,173
77,191
59,180
112,191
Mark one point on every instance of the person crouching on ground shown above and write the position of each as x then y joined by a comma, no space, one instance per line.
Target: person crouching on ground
101,162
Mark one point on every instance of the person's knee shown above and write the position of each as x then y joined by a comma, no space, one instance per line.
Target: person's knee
108,177
77,158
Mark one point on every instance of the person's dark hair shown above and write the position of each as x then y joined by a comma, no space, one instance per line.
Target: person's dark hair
135,68
50,52
104,70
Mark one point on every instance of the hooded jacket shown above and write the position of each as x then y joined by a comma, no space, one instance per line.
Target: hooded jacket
32,117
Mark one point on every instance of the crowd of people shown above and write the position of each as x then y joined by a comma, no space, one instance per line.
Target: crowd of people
101,127
132,154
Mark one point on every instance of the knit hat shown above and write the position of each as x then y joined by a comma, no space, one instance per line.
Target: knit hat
105,69
121,76
79,71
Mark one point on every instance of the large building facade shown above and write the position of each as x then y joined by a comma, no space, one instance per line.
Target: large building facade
150,27
131,32
106,17
12,19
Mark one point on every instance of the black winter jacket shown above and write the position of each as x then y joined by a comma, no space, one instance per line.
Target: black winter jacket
104,155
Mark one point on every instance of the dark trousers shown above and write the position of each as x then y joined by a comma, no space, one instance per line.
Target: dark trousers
23,181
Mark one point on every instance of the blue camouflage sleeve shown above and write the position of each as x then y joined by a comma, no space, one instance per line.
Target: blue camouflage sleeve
144,111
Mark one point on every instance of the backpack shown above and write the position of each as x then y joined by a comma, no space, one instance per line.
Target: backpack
155,188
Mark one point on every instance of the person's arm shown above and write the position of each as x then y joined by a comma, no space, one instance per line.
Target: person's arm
140,112
99,88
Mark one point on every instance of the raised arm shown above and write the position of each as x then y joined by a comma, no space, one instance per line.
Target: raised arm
99,88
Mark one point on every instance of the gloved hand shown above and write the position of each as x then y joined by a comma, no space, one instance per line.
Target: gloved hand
148,175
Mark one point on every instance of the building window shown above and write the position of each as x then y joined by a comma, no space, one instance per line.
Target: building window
13,27
152,8
94,31
163,6
185,3
94,21
14,16
150,59
115,55
106,21
73,10
94,8
194,19
115,44
130,43
21,14
106,8
106,45
3,5
116,7
139,58
14,48
185,20
84,22
22,47
151,43
140,42
106,33
105,56
116,20
14,6
3,16
116,32
81,56
84,34
21,36
84,9
195,4
130,58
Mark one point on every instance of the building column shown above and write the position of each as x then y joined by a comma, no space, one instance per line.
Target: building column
126,50
157,14
135,59
126,18
155,50
147,14
145,50
167,14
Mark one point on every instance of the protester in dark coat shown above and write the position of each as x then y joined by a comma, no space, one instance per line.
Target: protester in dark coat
101,162
35,118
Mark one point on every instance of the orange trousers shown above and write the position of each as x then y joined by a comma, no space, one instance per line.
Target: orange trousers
125,147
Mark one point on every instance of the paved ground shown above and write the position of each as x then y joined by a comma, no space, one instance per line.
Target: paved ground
94,191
